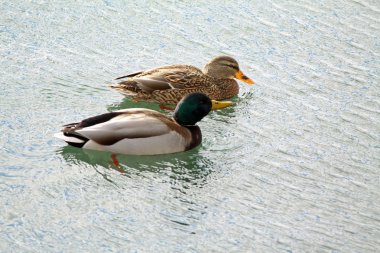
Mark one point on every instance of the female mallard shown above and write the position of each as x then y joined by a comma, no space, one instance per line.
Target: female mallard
141,131
168,84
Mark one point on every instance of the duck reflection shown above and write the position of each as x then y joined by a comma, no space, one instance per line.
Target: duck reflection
128,103
190,168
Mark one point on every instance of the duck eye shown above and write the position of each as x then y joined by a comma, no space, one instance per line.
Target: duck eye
231,66
234,67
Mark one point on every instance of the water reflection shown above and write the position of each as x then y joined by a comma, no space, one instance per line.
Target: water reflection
189,167
128,103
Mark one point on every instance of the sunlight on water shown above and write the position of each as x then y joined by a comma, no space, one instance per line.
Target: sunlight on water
293,166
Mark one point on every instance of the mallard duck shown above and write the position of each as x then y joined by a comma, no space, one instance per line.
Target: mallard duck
139,131
168,84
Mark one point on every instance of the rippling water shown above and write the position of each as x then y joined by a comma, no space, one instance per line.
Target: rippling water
293,167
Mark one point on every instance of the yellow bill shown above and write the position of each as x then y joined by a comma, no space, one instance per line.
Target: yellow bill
216,105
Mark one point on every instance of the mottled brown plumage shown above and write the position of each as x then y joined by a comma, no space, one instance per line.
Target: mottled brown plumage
168,84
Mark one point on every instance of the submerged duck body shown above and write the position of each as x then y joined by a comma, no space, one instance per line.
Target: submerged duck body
168,84
140,131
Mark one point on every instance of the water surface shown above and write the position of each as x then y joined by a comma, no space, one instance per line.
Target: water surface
292,167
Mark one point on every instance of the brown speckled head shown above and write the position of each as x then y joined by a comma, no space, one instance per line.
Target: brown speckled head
225,67
222,67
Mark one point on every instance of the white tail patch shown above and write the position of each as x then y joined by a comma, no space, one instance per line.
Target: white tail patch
72,139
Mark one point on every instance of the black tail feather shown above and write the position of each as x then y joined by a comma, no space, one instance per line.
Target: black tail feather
129,75
78,136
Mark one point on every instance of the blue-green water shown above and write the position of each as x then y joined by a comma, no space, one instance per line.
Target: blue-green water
294,166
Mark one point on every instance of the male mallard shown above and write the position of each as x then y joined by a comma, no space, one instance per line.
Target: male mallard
168,84
140,131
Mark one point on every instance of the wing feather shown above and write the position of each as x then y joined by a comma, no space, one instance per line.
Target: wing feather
162,78
126,126
130,75
150,84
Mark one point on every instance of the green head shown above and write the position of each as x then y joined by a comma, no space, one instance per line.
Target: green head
193,107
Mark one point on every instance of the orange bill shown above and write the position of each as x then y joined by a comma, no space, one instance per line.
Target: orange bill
240,75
